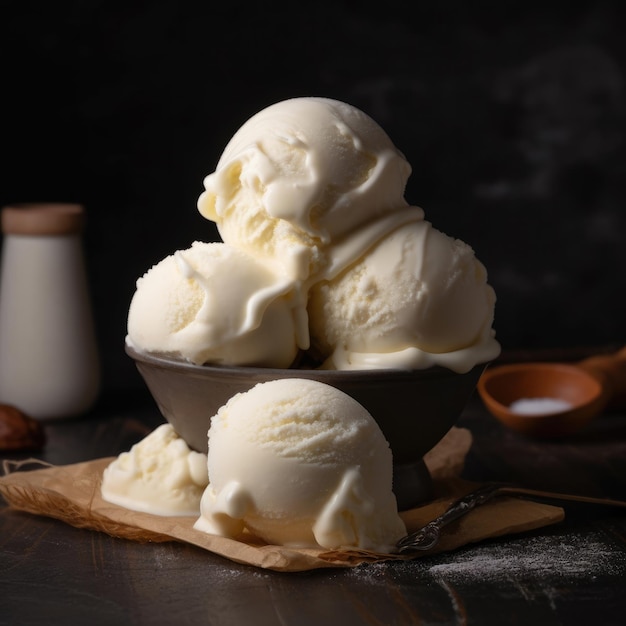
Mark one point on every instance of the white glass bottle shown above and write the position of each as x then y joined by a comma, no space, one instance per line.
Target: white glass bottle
49,365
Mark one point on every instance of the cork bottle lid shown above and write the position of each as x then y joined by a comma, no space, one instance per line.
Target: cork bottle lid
44,218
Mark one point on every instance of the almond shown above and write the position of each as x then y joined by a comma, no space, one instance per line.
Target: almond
19,431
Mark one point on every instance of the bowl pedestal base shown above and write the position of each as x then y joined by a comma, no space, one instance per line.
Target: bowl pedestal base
412,484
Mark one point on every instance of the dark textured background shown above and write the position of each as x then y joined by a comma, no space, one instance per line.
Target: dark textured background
511,114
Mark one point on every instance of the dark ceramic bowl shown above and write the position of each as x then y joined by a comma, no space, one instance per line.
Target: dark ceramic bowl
414,408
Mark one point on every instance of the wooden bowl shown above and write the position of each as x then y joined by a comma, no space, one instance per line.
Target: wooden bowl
501,386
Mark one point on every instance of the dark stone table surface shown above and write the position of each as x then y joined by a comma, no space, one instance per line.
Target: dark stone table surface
570,573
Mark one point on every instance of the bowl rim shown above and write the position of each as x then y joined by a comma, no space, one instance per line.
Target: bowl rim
377,374
492,374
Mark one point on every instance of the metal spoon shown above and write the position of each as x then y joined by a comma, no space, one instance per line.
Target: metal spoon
428,536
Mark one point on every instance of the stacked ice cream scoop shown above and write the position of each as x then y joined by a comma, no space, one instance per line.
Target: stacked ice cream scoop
323,261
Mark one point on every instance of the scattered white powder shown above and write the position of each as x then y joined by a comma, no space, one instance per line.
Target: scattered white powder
544,558
574,556
539,406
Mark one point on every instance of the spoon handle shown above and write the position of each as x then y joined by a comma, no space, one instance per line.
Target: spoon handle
551,495
610,370
427,537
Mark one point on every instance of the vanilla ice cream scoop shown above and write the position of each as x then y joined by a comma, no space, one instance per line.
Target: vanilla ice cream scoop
322,259
212,303
159,475
300,463
418,298
302,174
